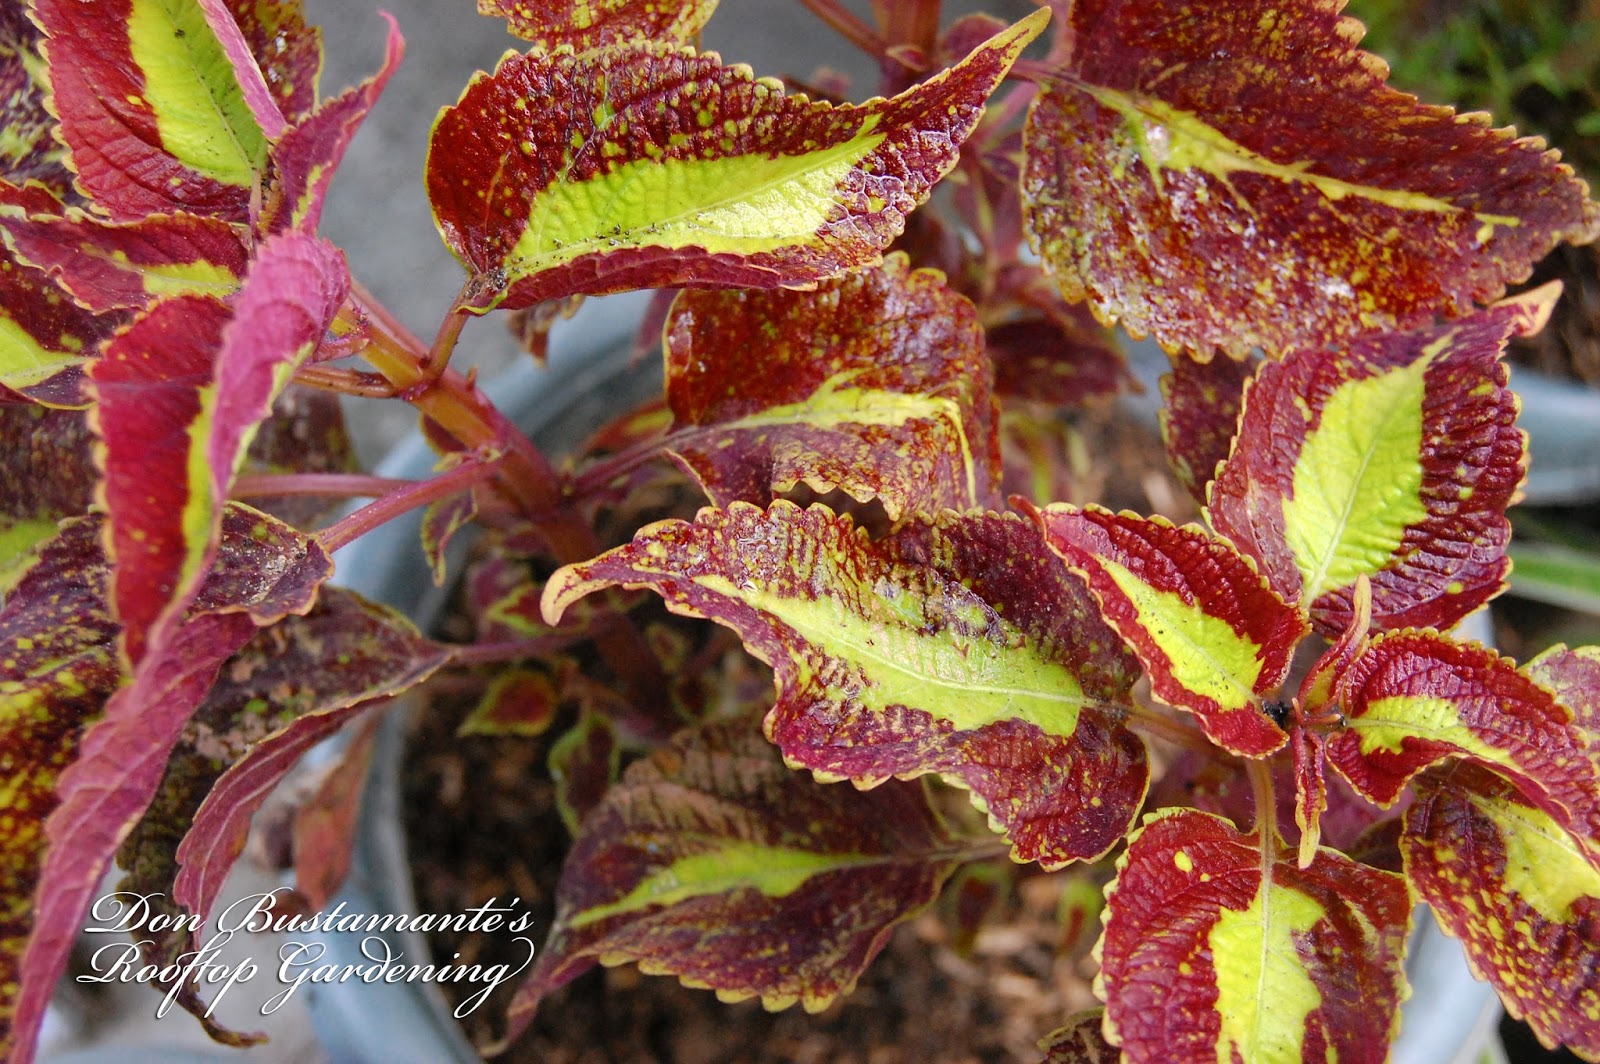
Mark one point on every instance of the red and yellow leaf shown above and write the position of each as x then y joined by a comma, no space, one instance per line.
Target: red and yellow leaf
518,702
1210,953
650,167
1393,458
1200,415
308,154
106,266
57,667
181,392
45,338
875,383
29,151
1520,893
949,647
149,388
48,474
1213,637
93,778
1415,698
585,24
279,696
281,45
1239,176
583,765
714,862
151,108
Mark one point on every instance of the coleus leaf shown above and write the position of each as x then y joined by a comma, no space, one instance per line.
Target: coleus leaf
326,823
48,473
306,157
106,266
1414,698
1392,457
1213,637
1213,952
647,166
714,862
57,668
1519,892
281,45
1242,177
875,383
584,763
1058,359
518,702
180,393
377,654
946,648
151,108
1081,1040
305,434
45,338
282,677
585,24
440,523
1200,409
30,151
263,571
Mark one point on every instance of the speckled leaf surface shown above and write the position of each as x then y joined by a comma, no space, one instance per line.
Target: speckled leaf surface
1081,1040
1058,359
48,474
1415,698
57,667
714,862
283,46
1208,956
1572,675
956,647
1239,175
305,434
275,690
106,266
1200,409
380,655
875,383
1519,893
45,338
1213,637
263,570
308,154
150,107
29,151
585,24
650,167
1392,458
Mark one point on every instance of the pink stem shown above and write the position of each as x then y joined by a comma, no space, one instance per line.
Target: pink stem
413,495
343,484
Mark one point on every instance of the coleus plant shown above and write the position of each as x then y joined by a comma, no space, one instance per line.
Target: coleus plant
1325,259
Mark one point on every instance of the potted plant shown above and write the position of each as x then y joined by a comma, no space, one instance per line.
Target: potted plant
1326,259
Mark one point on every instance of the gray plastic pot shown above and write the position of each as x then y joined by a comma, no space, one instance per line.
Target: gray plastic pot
1449,1019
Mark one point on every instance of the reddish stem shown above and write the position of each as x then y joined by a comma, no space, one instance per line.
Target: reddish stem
341,484
414,494
848,25
456,405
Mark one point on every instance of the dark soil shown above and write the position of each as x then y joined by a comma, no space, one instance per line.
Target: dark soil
483,825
